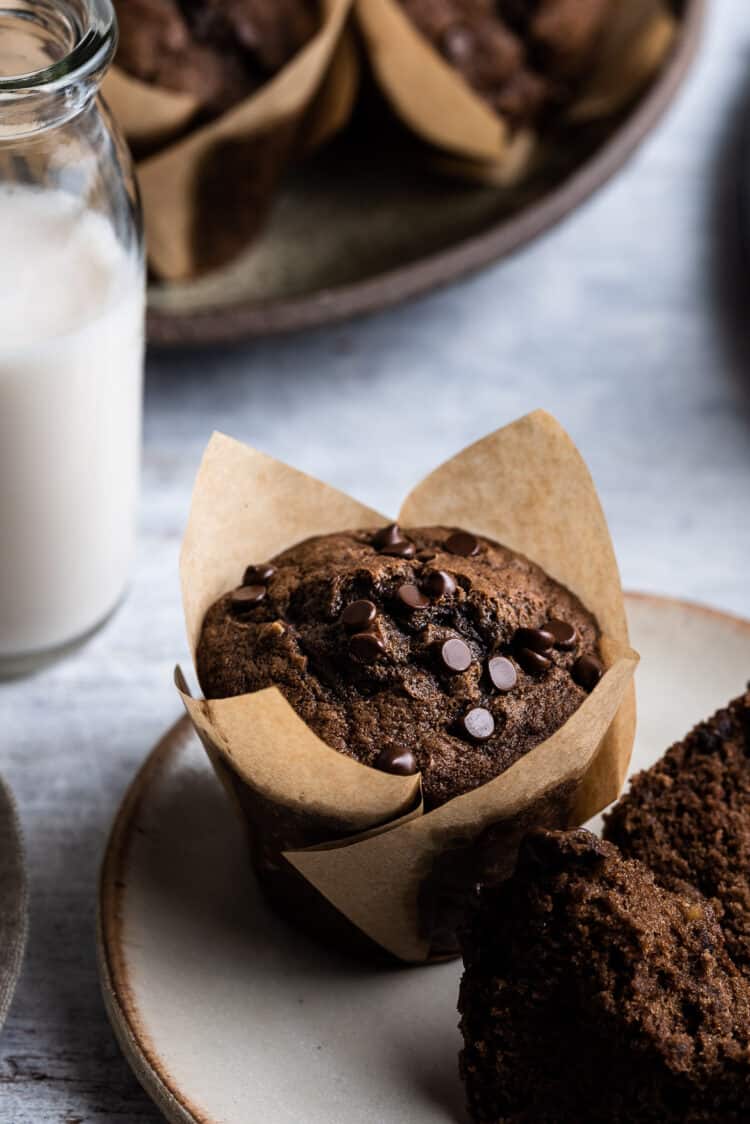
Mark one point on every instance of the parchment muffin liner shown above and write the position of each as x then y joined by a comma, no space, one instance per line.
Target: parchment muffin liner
437,104
331,838
206,192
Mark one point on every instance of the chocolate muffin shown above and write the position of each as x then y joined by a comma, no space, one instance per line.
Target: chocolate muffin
594,996
220,51
521,56
430,649
688,819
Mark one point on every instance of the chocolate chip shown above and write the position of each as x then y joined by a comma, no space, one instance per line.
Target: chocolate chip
537,639
425,555
390,540
358,616
461,542
259,575
456,655
366,646
707,740
565,634
478,724
532,662
412,598
457,42
247,597
401,762
745,724
400,549
587,671
386,536
724,723
440,584
502,673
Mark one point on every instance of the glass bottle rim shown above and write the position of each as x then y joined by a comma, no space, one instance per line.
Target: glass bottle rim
93,46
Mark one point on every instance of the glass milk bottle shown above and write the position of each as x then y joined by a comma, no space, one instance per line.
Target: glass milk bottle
71,331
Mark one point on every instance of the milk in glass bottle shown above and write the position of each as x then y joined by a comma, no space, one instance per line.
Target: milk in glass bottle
71,331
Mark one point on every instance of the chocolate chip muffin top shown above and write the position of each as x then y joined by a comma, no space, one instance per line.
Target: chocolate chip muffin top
592,994
220,51
688,819
430,649
520,56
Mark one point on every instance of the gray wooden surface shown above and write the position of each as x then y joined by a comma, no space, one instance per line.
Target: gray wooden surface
629,323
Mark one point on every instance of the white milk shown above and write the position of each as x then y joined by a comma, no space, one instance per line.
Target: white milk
71,358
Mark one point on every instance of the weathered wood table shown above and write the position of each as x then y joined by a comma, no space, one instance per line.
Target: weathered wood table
629,323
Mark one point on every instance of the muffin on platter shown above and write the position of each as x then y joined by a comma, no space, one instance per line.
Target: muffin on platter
391,706
522,58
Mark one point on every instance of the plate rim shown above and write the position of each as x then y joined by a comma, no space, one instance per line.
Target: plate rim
140,1052
245,320
136,1045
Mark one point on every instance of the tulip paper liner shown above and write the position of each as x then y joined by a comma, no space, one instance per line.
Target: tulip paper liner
357,836
149,116
436,102
206,194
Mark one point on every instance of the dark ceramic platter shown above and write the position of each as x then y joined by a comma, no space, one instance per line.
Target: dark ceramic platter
364,226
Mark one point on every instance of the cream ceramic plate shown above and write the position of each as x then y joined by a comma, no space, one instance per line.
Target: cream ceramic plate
229,1017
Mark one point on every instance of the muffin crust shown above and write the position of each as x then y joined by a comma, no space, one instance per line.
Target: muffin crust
220,51
416,650
522,57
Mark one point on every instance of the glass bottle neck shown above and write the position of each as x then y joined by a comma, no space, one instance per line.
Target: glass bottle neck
53,56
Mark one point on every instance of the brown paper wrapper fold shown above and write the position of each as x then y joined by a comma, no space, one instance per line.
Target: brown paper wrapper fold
206,194
637,39
333,839
149,116
435,101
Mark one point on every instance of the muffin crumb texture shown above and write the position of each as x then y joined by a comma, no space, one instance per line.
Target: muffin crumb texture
688,819
430,649
592,995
